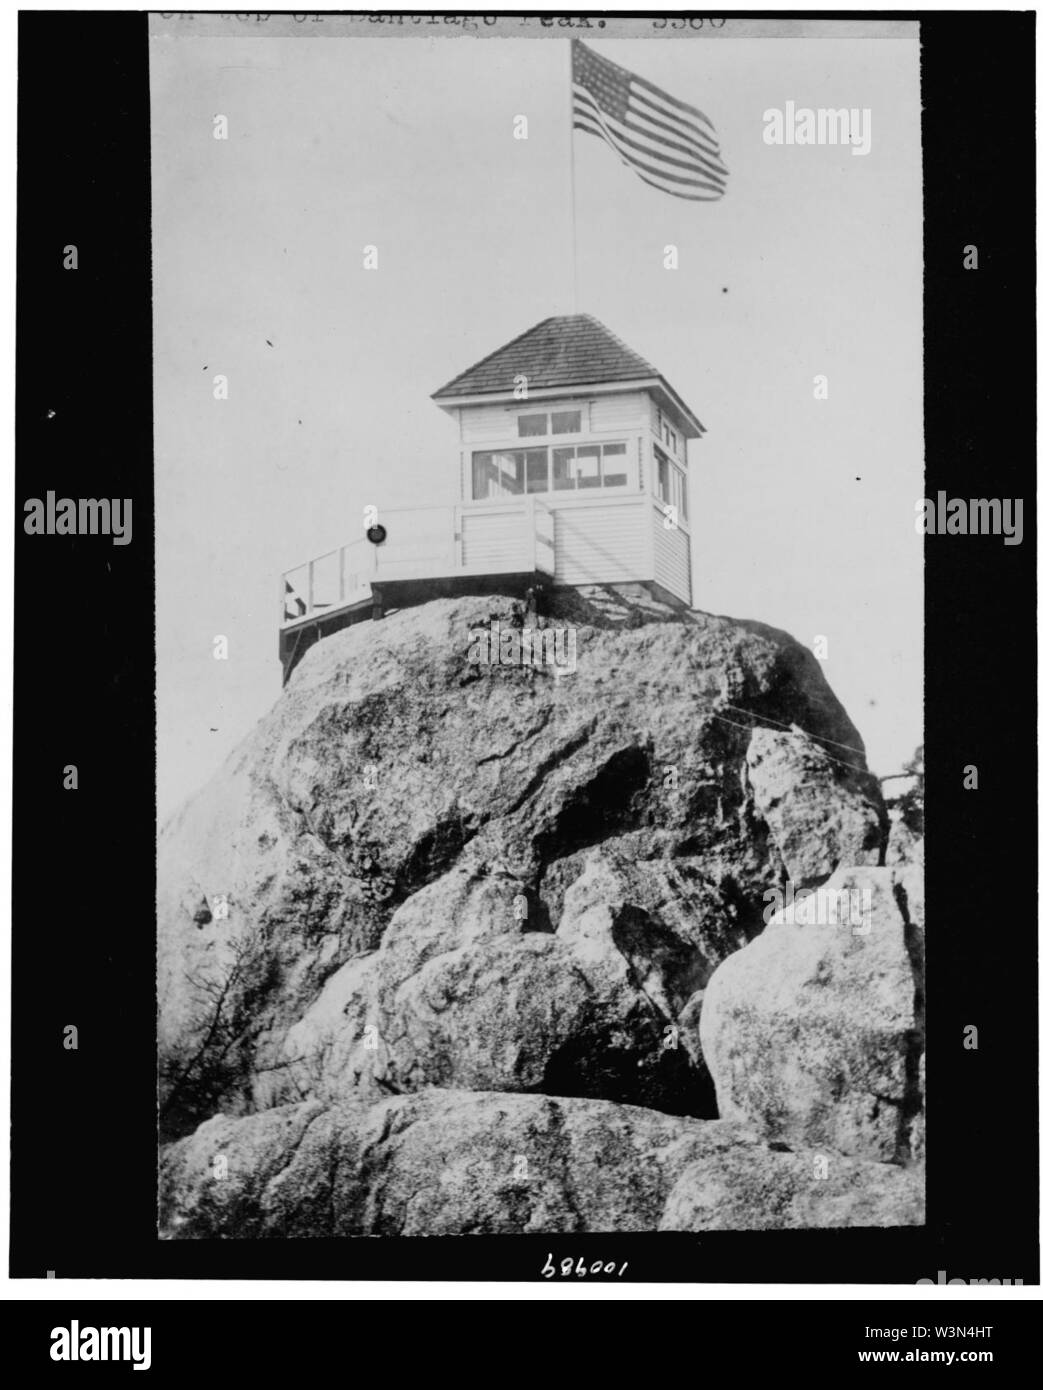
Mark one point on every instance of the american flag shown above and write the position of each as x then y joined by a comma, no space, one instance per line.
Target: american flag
666,142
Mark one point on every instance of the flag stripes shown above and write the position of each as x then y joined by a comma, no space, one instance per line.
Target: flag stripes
669,144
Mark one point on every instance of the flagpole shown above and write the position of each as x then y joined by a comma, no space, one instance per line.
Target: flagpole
572,181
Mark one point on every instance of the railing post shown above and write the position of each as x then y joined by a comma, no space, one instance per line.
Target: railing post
340,566
311,584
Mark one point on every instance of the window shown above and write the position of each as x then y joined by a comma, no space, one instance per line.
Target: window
614,459
508,473
590,466
561,422
662,476
671,485
665,432
565,476
566,422
536,470
544,464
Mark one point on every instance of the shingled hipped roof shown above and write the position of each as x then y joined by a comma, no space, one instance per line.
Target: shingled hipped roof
570,350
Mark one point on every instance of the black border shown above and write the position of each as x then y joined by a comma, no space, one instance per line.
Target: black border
83,1156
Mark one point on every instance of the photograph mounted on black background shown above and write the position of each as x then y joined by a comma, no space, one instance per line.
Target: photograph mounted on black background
563,504
542,899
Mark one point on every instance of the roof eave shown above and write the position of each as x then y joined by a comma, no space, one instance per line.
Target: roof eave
693,426
658,385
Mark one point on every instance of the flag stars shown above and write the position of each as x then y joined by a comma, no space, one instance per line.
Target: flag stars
667,143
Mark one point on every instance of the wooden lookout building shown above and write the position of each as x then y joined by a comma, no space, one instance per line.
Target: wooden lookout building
573,471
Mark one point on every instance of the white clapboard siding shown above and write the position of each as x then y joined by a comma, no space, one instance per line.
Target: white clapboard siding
601,544
487,424
626,412
419,543
672,558
619,414
496,542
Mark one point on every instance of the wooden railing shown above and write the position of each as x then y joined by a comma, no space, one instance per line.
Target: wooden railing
423,543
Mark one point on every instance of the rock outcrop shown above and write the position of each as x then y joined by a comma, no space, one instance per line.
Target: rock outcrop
814,1032
816,819
441,1163
465,1163
429,896
746,1187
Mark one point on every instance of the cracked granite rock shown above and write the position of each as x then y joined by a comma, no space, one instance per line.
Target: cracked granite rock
465,1163
771,1188
418,821
441,1163
814,1032
452,948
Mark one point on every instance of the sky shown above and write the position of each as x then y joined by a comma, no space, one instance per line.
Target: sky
811,265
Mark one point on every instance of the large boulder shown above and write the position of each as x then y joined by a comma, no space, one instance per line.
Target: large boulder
813,1033
760,1188
466,1163
820,811
442,1163
461,995
400,800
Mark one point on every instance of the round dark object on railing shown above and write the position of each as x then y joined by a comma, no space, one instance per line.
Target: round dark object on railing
377,535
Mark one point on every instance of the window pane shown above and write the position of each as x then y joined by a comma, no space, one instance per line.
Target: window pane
662,481
535,470
564,470
499,474
511,473
682,482
565,422
486,476
532,424
588,465
614,456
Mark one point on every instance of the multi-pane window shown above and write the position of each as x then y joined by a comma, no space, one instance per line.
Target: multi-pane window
671,485
667,433
552,466
511,472
561,422
589,466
